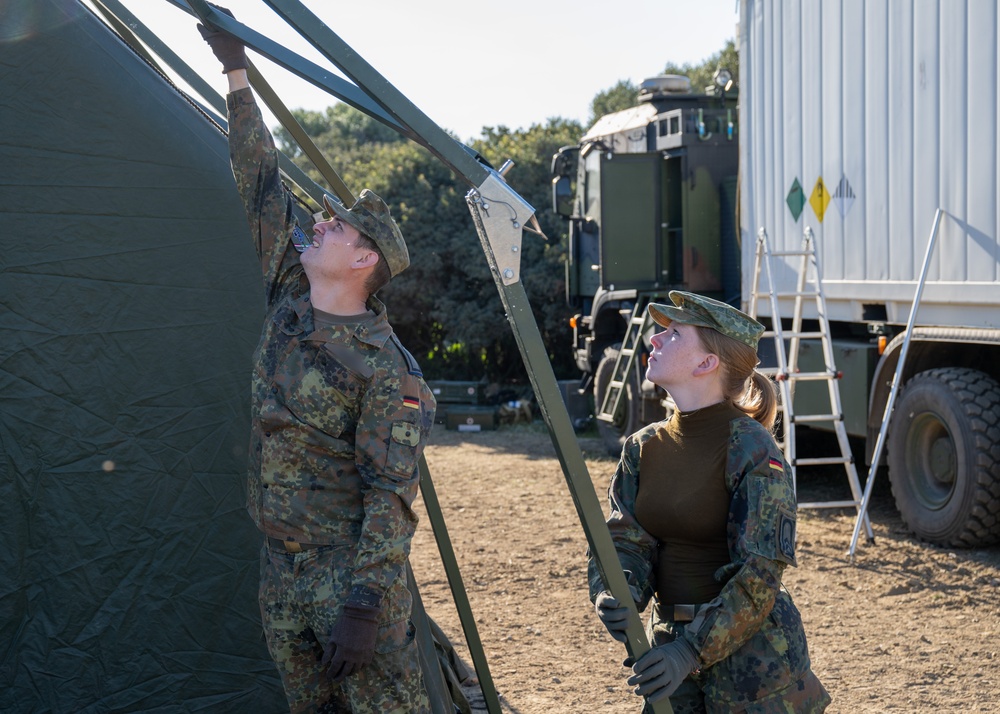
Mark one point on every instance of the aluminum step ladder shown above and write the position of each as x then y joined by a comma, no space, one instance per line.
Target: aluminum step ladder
638,320
787,373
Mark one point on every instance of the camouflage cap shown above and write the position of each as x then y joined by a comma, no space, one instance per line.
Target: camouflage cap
691,309
371,216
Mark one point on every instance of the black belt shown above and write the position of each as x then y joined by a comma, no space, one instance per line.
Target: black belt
290,546
678,613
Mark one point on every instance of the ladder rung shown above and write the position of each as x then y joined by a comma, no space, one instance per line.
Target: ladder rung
824,461
810,375
830,504
807,293
801,335
812,418
787,253
615,384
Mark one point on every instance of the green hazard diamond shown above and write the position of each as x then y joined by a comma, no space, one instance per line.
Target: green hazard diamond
796,199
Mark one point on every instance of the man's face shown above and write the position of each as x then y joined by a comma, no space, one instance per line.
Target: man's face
333,250
676,352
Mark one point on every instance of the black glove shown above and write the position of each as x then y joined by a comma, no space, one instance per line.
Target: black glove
613,614
226,48
661,670
352,641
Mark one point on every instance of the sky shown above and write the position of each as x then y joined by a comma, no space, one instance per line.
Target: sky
467,65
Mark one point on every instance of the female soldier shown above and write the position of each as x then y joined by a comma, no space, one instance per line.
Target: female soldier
703,520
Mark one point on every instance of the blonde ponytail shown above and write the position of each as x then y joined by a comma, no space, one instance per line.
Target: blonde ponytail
760,400
749,390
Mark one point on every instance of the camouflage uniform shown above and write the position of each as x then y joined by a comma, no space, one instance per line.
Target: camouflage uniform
750,642
339,419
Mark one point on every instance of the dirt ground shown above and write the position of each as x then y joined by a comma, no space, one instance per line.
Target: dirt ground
907,627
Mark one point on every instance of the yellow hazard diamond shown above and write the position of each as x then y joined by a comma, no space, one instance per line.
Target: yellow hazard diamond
819,199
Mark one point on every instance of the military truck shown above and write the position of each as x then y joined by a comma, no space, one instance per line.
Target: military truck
649,193
860,123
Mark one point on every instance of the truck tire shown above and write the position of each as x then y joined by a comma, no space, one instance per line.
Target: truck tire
614,434
944,456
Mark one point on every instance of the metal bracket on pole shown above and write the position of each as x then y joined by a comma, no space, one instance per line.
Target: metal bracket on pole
880,441
503,214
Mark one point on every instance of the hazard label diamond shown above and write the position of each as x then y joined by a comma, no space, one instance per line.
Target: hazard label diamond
843,195
795,199
820,199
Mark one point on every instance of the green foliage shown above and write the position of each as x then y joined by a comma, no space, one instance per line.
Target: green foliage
625,94
702,75
340,125
621,96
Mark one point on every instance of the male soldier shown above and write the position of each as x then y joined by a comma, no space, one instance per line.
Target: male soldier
340,413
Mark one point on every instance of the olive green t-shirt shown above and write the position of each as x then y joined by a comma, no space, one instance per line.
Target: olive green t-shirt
328,319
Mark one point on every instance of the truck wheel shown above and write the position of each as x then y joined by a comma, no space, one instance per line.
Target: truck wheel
614,434
944,456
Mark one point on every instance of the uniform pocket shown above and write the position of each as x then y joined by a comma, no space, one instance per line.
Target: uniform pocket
395,631
773,532
401,456
394,636
322,393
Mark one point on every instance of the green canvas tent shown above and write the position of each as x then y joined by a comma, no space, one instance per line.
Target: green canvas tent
129,308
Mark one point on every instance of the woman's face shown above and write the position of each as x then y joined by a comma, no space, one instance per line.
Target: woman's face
677,351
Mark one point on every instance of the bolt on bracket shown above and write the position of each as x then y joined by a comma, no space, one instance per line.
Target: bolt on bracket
501,216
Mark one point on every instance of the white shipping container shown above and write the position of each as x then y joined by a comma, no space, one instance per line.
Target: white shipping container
879,113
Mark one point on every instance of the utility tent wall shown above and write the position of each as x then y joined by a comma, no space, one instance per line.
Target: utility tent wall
861,119
129,308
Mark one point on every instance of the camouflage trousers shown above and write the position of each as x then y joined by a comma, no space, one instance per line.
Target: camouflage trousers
769,674
301,597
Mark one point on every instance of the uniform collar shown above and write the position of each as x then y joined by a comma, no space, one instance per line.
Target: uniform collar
374,331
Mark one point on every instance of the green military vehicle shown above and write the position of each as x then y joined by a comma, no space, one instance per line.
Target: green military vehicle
650,196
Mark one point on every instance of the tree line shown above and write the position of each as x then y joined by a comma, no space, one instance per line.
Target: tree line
445,307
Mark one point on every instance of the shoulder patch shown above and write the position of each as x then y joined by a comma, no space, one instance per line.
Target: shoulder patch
411,364
786,535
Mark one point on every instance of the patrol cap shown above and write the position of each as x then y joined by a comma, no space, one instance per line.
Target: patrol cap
370,216
691,309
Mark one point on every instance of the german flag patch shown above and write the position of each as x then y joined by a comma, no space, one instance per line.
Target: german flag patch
411,402
776,465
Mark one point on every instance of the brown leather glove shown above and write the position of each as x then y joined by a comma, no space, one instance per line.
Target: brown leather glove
352,641
227,49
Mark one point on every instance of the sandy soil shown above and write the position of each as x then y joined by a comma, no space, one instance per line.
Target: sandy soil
906,627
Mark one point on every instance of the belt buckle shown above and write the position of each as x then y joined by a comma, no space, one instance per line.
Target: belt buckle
291,546
684,613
